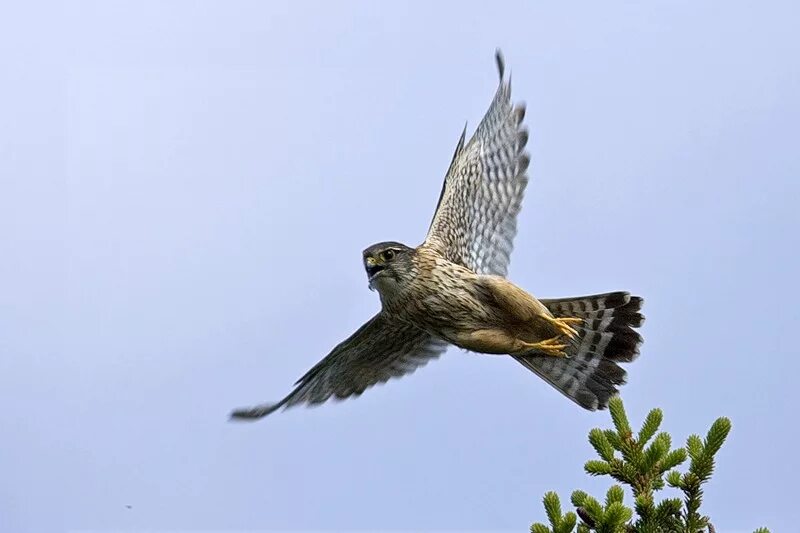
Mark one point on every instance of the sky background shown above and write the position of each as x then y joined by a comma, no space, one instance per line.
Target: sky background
186,188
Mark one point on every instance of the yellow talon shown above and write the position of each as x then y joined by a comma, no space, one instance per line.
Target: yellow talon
563,325
552,347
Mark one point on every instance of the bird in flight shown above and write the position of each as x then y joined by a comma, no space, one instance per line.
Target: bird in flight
452,290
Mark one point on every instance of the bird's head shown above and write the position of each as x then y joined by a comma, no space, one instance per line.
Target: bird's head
387,264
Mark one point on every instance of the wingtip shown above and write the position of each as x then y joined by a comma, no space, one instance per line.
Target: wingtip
501,64
251,414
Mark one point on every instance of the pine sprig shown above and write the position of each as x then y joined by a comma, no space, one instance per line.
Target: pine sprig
644,462
651,424
701,466
618,416
558,523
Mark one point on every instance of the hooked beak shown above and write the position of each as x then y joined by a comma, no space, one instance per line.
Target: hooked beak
372,267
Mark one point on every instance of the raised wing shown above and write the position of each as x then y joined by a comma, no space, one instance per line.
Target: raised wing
476,219
381,349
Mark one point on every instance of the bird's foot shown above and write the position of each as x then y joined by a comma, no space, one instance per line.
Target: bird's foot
551,347
564,327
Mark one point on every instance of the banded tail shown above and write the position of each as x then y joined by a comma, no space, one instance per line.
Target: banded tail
591,375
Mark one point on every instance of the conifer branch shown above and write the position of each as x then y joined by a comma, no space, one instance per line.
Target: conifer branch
645,463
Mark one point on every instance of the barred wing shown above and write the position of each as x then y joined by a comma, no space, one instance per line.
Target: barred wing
476,219
380,350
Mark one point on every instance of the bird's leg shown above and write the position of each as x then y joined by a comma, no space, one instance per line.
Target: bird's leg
554,346
489,340
563,325
550,347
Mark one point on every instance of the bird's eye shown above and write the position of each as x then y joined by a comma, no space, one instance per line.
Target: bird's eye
388,255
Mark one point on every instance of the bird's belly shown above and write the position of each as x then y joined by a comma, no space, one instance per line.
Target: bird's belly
444,313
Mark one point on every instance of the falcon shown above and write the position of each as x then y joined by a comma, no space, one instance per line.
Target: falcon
452,290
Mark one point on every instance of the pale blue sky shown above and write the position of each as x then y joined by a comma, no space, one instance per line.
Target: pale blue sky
186,188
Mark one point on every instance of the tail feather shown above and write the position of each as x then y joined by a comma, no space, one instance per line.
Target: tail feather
590,375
